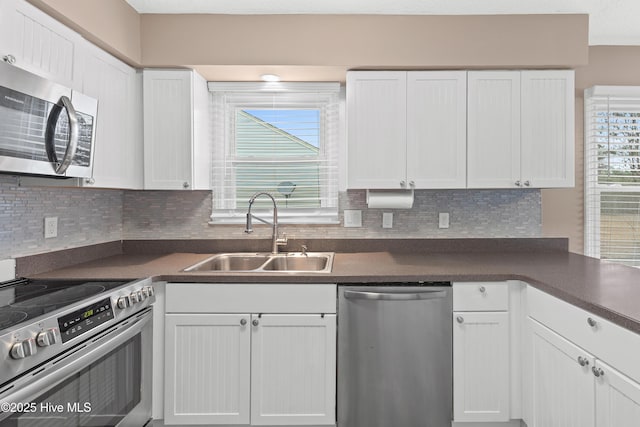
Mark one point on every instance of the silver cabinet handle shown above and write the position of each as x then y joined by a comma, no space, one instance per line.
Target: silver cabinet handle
583,361
591,322
255,322
9,59
243,322
460,319
598,372
72,145
482,289
396,296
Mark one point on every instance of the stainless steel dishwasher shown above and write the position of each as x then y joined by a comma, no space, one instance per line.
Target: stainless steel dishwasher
395,355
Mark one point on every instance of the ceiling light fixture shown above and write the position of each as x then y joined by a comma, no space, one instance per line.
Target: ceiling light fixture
270,77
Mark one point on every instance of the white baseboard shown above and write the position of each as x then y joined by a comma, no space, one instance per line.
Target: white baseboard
512,423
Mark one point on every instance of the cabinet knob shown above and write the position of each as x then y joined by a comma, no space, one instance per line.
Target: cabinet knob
412,183
591,322
460,319
598,372
403,183
518,183
255,322
185,185
583,361
243,322
9,59
482,289
527,183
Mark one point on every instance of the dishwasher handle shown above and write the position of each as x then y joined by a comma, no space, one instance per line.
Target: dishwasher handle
395,296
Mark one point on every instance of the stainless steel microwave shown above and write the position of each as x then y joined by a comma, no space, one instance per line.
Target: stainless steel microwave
45,128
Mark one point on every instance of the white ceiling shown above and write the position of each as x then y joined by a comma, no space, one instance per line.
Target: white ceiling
611,22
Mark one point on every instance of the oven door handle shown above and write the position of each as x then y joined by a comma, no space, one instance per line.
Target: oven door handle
52,374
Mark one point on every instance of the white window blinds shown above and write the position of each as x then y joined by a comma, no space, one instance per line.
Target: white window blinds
612,173
278,138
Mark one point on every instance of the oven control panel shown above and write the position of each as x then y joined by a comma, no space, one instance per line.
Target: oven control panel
85,319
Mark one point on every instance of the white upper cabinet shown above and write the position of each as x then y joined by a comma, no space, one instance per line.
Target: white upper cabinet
437,129
406,129
494,129
118,156
377,129
176,138
32,40
547,128
521,129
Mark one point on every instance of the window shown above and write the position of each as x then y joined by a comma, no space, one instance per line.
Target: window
277,138
612,173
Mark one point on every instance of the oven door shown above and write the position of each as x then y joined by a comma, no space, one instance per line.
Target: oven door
105,381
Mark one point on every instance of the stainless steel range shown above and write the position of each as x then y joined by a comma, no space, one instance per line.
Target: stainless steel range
75,353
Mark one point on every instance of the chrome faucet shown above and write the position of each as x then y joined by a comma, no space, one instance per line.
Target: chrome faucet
275,240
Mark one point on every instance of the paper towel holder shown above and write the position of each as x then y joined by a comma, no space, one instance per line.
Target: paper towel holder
390,199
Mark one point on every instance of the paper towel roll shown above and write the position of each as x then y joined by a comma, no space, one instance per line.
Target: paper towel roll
390,199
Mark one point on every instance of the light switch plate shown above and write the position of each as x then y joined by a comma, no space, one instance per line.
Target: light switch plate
352,218
387,220
443,220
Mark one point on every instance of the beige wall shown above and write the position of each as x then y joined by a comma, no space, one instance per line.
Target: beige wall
563,210
365,41
111,24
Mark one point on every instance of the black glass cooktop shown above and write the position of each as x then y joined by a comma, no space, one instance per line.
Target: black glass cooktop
22,300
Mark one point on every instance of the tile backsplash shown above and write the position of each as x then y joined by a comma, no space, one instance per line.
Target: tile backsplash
473,213
85,216
90,216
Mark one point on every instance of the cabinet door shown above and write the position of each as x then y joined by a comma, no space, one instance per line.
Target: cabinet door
437,129
548,128
293,369
207,368
377,125
493,141
118,158
167,129
481,366
39,43
561,386
617,398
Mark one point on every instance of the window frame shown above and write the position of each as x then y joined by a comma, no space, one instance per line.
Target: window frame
330,95
593,189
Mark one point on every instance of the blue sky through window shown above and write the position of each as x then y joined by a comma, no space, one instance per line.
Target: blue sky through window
302,123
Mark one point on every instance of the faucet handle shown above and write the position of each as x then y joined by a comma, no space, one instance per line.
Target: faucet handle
281,241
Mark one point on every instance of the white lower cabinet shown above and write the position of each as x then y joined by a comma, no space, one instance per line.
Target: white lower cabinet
481,352
259,368
566,385
481,366
561,383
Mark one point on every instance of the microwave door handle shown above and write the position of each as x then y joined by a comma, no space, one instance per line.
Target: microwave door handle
72,145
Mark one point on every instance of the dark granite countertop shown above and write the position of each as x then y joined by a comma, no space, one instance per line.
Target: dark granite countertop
609,290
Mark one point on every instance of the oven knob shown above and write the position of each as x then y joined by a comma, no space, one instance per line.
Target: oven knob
142,294
123,302
134,298
23,349
145,292
48,337
150,291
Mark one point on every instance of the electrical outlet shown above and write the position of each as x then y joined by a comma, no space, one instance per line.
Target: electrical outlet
387,220
352,218
50,227
443,220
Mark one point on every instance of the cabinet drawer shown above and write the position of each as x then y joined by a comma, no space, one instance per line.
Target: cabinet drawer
607,341
480,296
250,298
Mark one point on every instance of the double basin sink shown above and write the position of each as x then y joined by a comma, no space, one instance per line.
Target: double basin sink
293,262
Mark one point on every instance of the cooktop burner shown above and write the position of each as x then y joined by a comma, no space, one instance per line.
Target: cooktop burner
22,300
